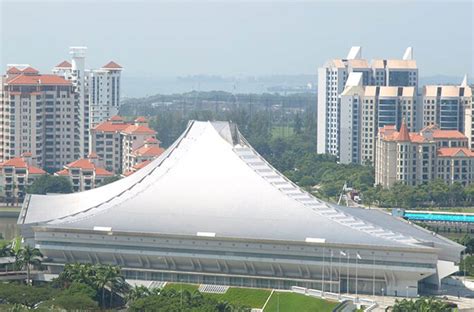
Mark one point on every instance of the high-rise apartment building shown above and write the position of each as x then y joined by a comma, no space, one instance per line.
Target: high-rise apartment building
419,157
38,116
449,107
332,79
98,91
365,109
104,93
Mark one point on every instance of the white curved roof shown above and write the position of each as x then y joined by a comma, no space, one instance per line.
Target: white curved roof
212,183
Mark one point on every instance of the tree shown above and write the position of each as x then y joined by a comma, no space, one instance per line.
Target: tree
109,180
50,184
110,276
6,250
27,257
420,305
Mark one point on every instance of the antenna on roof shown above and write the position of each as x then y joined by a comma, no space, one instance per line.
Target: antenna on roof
355,53
408,56
464,81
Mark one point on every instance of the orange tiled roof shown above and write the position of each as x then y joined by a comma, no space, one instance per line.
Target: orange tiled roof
13,70
404,134
64,64
84,164
81,163
112,65
35,170
455,151
448,134
102,172
110,126
116,118
30,70
16,162
149,151
38,79
138,129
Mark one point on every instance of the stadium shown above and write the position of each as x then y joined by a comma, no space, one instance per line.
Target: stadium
211,210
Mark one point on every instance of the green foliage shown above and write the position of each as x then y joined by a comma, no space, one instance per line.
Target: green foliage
50,184
25,295
286,302
420,305
435,193
95,277
109,180
172,300
72,302
28,257
467,265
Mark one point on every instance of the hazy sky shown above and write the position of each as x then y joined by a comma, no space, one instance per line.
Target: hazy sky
237,38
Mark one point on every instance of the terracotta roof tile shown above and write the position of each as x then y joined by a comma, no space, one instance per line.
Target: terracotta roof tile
81,163
35,170
455,151
63,172
64,64
448,134
112,65
102,172
13,71
138,129
30,70
404,134
111,126
17,162
38,79
151,151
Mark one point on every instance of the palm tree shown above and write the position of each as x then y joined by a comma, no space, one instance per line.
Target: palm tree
6,250
138,292
110,276
27,257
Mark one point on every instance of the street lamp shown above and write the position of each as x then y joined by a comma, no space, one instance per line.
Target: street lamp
357,258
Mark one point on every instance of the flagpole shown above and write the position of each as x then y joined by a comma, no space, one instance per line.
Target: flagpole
373,275
357,258
322,286
339,277
330,273
348,256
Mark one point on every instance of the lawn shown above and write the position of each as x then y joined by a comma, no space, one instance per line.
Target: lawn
282,131
288,302
254,298
180,286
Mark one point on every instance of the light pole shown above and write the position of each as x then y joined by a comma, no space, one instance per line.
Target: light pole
348,256
357,258
322,286
330,273
373,274
383,296
407,292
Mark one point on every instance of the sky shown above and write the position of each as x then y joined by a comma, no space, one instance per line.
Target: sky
179,38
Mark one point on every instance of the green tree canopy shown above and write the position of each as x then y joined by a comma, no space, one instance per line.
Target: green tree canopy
50,184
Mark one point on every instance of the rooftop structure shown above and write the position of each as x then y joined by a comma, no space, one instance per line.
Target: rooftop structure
211,209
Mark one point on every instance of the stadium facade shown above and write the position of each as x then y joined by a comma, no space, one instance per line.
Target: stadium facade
211,210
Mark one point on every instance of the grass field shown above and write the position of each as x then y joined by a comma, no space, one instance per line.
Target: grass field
178,287
254,298
282,131
289,302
